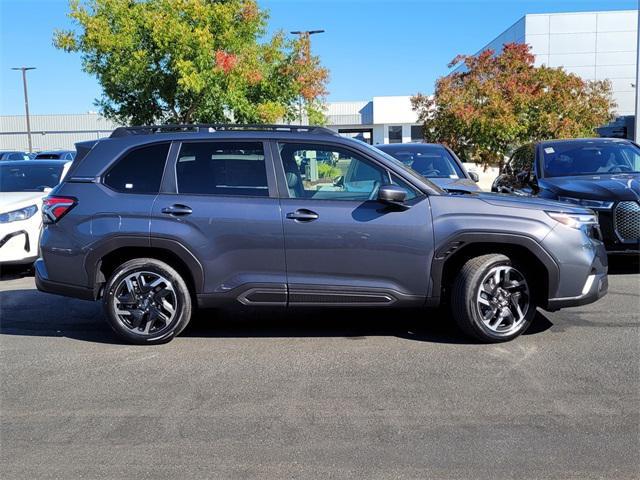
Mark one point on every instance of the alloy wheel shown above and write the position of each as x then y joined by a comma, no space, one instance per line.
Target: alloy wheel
503,299
145,302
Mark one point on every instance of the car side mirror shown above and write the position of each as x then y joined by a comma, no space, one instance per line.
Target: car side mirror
392,195
474,176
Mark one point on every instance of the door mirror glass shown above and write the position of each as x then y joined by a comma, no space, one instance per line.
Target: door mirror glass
392,194
474,176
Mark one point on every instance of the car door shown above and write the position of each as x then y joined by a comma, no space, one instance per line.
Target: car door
342,245
219,202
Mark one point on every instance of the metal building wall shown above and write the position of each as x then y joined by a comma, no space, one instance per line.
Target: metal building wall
50,132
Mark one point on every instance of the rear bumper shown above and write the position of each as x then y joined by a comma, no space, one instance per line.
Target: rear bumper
45,285
596,286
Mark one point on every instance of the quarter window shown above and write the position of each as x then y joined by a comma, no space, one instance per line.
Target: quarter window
222,168
329,173
139,171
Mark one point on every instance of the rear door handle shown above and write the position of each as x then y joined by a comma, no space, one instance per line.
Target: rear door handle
177,210
303,215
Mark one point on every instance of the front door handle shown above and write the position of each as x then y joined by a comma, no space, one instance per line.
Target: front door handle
177,210
303,215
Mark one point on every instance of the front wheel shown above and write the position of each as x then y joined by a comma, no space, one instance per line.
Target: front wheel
147,302
492,299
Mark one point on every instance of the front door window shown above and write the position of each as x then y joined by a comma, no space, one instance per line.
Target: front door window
330,173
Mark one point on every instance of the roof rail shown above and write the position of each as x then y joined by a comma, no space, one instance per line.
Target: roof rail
217,127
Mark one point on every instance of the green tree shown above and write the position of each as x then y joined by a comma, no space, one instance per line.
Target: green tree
192,61
498,102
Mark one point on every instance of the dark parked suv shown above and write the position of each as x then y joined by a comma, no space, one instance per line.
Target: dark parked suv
157,220
598,173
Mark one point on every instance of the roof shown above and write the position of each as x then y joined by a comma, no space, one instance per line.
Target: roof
49,152
34,163
396,146
587,139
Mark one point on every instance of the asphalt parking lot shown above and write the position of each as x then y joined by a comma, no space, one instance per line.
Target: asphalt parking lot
318,395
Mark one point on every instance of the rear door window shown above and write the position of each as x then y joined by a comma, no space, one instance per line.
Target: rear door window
222,168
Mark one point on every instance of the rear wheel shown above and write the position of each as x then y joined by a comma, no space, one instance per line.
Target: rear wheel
147,302
492,299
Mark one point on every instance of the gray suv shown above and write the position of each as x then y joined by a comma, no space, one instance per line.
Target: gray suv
155,221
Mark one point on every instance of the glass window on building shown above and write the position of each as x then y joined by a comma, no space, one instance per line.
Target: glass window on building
395,134
416,133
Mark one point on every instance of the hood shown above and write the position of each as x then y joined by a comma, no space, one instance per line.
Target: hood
618,186
10,201
533,203
457,183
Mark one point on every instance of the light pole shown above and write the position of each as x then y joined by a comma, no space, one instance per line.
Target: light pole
26,101
305,36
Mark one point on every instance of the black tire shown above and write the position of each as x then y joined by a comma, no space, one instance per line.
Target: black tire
465,299
172,289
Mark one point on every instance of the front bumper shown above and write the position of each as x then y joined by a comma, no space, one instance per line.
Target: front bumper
595,287
19,241
582,267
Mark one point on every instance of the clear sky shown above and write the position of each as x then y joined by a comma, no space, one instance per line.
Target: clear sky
372,47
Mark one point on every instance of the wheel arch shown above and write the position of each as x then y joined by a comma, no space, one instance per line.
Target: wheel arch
454,252
103,259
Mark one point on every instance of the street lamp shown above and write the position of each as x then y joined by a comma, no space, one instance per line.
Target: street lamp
305,36
26,100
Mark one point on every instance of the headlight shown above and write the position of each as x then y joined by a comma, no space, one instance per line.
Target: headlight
583,202
574,220
17,215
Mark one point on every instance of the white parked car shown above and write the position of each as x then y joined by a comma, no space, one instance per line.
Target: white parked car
23,185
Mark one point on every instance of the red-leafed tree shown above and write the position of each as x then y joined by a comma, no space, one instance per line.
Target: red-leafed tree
496,103
192,61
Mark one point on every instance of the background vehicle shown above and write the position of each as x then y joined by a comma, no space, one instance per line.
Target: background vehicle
55,155
155,220
435,162
23,183
601,174
13,155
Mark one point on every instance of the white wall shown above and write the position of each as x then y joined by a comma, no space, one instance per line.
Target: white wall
394,110
593,45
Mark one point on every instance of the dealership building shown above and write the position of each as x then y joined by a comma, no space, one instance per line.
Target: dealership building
594,45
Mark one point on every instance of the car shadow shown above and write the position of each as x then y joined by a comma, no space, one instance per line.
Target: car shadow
32,313
624,264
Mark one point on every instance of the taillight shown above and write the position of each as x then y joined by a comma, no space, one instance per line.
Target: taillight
55,207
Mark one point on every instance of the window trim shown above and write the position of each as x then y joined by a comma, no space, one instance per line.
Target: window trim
281,177
268,164
122,155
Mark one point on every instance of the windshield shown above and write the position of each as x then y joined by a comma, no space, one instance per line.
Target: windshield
29,178
589,157
431,161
